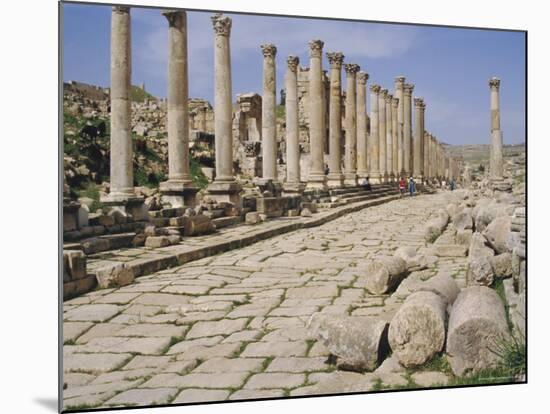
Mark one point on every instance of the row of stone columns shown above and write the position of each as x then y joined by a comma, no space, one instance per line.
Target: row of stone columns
383,154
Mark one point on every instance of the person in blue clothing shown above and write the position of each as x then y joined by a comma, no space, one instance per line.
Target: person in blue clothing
412,186
452,184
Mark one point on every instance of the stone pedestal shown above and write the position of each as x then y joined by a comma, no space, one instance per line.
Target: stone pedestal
350,174
335,176
362,148
179,190
374,167
132,208
316,179
224,187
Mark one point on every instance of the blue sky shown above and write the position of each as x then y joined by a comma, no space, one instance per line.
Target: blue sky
449,67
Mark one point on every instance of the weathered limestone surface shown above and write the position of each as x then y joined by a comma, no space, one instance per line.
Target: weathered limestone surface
417,331
292,183
362,147
269,101
399,89
384,273
359,342
374,142
244,312
476,324
382,143
407,129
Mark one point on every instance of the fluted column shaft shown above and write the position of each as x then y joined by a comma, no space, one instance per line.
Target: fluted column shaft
407,129
495,165
374,166
382,133
418,162
335,177
292,126
316,179
395,137
269,100
121,152
350,175
399,85
362,155
389,138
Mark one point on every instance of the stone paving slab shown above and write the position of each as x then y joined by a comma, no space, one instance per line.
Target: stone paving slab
244,335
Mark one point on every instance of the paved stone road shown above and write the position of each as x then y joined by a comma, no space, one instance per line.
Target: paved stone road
233,326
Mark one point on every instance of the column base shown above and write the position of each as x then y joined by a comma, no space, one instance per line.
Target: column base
335,180
225,191
317,182
293,189
178,193
129,205
362,174
375,178
350,180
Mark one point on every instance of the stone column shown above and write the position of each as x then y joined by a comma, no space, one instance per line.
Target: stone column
121,195
362,148
395,138
382,134
292,184
374,142
389,138
399,85
427,163
179,190
418,155
495,164
350,173
317,179
335,176
269,127
122,176
224,187
407,129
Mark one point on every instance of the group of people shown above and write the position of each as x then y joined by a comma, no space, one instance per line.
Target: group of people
404,185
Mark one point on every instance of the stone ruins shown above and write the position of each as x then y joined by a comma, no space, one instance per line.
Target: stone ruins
178,294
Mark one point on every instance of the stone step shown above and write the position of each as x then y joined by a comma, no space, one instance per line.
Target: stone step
227,221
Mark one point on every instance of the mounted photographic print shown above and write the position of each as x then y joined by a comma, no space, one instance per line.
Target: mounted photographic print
261,206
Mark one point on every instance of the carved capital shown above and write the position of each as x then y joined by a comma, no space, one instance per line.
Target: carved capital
121,9
408,88
375,88
292,62
351,68
335,59
383,93
399,82
221,24
269,50
173,16
494,83
395,102
418,102
388,98
316,48
362,78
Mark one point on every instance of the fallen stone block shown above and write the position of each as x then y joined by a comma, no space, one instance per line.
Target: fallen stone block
497,234
174,239
476,326
196,225
463,220
417,331
74,264
414,260
306,212
479,272
114,276
139,240
154,242
442,285
95,245
384,273
436,225
270,206
252,218
464,237
358,342
450,250
502,265
478,247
